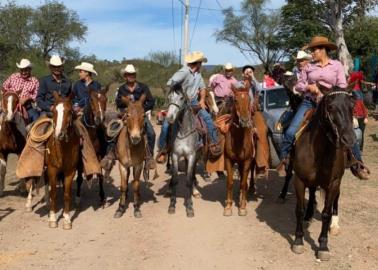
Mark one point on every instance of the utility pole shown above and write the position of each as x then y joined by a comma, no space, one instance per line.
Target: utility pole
186,32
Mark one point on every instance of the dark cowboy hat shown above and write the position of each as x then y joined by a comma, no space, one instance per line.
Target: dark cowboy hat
320,41
246,67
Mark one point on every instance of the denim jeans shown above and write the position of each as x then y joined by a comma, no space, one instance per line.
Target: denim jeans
33,114
356,151
151,136
295,124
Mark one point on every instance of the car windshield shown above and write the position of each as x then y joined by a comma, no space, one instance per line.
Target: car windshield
276,99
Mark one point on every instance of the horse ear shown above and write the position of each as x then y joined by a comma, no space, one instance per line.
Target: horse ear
126,100
106,89
56,96
142,98
71,96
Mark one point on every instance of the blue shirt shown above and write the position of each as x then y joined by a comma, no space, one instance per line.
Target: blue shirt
81,92
141,89
47,85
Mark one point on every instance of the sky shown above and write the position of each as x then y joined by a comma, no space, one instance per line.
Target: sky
128,29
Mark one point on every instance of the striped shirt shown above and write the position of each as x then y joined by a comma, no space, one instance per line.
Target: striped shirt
27,87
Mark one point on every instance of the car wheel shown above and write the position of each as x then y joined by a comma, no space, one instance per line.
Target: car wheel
274,158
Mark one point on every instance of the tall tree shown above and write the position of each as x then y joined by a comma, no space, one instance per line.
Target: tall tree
254,32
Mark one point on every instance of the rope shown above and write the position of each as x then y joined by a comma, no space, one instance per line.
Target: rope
114,127
35,139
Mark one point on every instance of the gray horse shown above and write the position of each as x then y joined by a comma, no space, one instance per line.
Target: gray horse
184,145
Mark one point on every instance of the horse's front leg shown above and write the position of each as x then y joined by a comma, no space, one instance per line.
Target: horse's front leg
173,183
244,168
189,184
124,173
289,175
52,178
79,182
252,187
68,178
230,183
29,199
3,171
310,204
298,246
137,170
102,191
335,228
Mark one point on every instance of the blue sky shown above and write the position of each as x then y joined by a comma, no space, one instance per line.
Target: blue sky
133,28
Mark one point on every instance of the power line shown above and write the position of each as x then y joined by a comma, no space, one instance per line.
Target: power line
195,24
219,4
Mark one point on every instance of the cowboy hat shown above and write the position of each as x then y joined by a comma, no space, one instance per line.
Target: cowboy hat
246,67
56,61
194,57
228,66
86,67
288,73
24,63
301,55
130,69
320,41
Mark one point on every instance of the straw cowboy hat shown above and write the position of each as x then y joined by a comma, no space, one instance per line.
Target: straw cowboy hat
302,55
24,63
130,69
228,66
86,67
194,57
56,61
320,41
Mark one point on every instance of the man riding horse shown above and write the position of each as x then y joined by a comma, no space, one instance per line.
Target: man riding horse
190,80
222,84
325,72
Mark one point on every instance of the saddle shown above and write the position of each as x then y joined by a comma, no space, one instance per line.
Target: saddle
306,120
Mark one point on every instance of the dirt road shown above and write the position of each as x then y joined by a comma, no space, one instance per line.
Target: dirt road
208,241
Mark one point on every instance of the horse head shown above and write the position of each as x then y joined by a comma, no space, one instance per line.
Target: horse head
177,101
242,105
134,118
97,101
336,113
10,102
62,115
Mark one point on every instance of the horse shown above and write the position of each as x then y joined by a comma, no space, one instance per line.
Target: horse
239,148
134,138
62,156
93,118
319,159
11,139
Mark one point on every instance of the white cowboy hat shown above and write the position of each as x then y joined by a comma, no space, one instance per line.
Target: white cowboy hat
194,57
56,61
128,69
303,55
288,73
228,66
24,63
86,67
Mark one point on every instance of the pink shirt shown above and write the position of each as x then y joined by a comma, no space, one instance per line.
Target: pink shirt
27,87
329,76
222,85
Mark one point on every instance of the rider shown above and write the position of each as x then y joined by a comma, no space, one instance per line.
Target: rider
221,84
135,89
81,87
26,85
301,61
326,72
190,80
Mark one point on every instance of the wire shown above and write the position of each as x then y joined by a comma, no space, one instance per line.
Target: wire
195,24
173,27
219,4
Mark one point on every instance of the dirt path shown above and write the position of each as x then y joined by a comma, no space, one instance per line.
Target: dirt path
208,241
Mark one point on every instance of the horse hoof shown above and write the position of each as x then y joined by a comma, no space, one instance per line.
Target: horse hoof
171,210
298,249
227,212
334,231
137,214
28,209
189,213
67,226
53,224
324,255
118,213
242,212
196,194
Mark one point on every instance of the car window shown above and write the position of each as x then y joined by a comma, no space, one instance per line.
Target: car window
276,99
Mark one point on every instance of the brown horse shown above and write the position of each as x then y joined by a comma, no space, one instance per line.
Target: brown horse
133,137
320,160
239,148
93,118
11,139
62,156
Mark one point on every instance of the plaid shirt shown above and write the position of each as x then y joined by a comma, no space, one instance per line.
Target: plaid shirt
16,83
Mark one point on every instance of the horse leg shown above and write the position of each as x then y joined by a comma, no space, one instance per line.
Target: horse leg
47,191
52,178
190,184
173,184
122,201
68,178
102,191
252,187
289,174
230,182
244,168
79,182
335,228
310,204
137,170
331,195
300,188
196,193
29,188
3,171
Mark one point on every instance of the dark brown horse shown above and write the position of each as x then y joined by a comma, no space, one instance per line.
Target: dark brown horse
11,139
93,119
239,148
133,137
320,160
62,156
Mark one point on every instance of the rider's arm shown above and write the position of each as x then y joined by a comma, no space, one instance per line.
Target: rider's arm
119,103
150,101
177,78
340,77
41,95
7,85
302,82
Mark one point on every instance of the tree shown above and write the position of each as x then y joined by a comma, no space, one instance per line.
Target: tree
254,33
164,58
55,26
